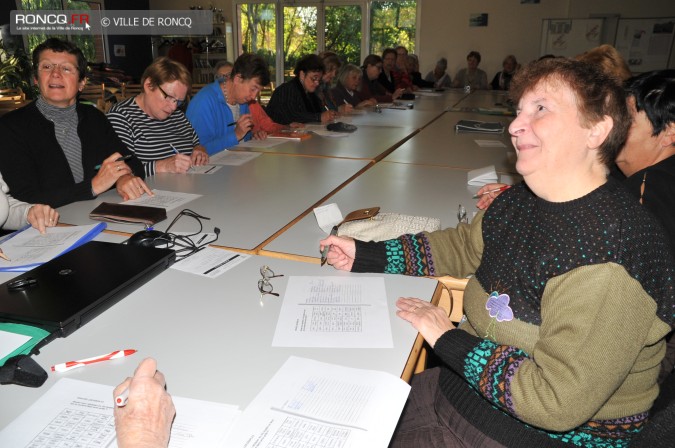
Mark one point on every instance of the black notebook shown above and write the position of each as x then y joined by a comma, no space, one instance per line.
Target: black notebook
483,127
65,293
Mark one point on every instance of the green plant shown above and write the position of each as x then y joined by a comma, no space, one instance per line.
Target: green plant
15,71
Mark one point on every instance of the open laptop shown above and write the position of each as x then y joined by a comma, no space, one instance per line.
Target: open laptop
72,289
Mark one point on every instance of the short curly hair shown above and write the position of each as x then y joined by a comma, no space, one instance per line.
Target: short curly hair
597,95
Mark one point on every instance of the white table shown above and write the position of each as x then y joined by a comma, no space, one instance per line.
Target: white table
248,203
369,142
211,337
438,101
395,187
485,99
439,144
405,118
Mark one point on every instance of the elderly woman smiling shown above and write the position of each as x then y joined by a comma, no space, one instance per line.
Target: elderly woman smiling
544,357
56,150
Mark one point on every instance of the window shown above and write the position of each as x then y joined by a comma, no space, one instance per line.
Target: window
93,46
312,27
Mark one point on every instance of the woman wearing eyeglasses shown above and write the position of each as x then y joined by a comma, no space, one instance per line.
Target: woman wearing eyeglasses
296,100
152,125
56,150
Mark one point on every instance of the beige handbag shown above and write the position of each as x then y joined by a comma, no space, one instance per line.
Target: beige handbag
386,226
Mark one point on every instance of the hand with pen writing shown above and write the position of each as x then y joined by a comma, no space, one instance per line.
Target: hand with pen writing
109,171
145,420
488,193
179,164
42,216
341,252
244,126
328,116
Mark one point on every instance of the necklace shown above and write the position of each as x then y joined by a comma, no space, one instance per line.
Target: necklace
642,187
234,108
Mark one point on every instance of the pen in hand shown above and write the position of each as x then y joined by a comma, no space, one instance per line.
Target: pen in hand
505,187
119,159
324,252
121,399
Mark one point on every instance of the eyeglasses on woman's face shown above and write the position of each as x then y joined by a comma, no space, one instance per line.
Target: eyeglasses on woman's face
170,99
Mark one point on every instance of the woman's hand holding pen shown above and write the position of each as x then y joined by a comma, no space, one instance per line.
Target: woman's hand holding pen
243,126
488,193
345,108
111,169
328,116
146,418
341,253
179,163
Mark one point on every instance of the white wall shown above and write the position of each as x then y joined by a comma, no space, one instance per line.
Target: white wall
513,28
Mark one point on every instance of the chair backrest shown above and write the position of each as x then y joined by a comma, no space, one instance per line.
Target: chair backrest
129,90
8,106
659,432
450,294
12,94
265,94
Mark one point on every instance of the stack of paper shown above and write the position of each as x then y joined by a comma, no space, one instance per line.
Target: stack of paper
483,127
310,401
482,176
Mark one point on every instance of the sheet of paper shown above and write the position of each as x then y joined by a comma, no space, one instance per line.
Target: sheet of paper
210,262
31,247
327,133
308,400
482,176
267,143
427,93
233,158
82,412
490,143
204,169
327,216
314,127
164,199
346,312
10,342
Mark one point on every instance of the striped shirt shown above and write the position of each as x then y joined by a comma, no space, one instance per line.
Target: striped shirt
151,139
65,128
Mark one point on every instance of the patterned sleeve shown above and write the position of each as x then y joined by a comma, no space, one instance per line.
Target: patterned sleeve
453,251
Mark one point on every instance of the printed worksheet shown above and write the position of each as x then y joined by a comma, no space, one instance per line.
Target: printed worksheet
233,158
80,414
210,262
164,199
348,312
203,169
311,404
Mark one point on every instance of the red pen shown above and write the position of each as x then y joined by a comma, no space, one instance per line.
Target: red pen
505,187
83,362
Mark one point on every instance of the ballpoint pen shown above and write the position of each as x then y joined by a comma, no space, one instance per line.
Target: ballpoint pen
505,187
121,399
177,153
201,239
63,367
119,159
231,124
324,252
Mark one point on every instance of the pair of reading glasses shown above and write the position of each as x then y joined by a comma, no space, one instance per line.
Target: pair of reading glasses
264,284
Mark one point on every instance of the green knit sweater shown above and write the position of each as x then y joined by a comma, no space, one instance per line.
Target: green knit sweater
565,315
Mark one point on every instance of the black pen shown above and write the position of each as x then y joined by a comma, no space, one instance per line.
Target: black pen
119,159
202,239
324,252
232,124
221,264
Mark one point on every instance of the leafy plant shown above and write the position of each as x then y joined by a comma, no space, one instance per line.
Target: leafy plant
15,71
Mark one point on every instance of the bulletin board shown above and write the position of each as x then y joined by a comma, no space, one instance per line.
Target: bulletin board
570,37
645,44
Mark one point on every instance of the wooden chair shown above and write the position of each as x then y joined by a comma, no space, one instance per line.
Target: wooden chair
93,93
196,88
129,90
12,94
8,106
265,94
450,293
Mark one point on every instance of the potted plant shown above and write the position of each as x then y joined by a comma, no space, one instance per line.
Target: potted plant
15,71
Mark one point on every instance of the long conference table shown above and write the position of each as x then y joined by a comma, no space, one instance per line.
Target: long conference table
213,337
